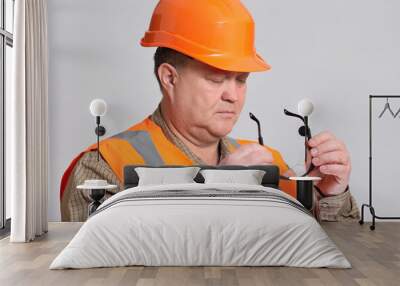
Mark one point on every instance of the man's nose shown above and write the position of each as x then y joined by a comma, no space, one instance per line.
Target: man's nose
231,91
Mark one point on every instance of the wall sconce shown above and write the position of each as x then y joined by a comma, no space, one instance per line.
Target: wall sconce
98,108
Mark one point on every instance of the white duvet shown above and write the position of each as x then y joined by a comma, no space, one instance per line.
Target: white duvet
184,230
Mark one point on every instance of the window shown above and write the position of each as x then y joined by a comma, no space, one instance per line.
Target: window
6,60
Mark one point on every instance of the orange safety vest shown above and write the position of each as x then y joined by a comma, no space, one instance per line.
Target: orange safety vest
145,144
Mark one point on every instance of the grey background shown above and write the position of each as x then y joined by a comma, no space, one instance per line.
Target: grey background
335,53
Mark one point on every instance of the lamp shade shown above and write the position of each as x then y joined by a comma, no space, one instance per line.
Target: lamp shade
305,107
98,107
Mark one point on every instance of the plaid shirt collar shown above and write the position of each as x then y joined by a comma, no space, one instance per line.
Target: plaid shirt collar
157,117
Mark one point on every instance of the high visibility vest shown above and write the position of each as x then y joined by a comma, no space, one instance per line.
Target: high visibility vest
145,144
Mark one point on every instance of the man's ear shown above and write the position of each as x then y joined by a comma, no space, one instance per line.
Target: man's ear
167,75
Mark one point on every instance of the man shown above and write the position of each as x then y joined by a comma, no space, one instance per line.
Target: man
204,56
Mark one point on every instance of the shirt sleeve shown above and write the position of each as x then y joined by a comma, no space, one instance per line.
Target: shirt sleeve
74,202
342,207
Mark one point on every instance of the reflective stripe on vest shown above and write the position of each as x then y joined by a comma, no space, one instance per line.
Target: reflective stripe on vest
140,140
233,142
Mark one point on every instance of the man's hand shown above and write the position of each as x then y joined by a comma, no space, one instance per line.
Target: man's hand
248,154
332,163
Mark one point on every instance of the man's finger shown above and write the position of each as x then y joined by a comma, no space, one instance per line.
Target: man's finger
340,171
258,160
328,146
320,138
249,154
335,157
242,151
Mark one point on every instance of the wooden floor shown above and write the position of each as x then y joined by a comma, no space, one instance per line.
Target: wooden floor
375,256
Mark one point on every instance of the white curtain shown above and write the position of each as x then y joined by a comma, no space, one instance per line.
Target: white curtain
28,132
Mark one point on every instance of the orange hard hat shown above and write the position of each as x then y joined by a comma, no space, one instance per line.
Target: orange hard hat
219,33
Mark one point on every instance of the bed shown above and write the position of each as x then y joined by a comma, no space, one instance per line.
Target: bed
201,224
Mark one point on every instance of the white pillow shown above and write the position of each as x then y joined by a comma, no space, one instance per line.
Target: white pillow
249,177
161,176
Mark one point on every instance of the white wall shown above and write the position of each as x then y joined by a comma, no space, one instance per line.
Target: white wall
334,52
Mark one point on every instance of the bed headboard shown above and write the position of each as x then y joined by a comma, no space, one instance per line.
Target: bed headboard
270,179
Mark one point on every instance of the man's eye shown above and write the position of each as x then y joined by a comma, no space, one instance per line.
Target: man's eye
217,80
242,79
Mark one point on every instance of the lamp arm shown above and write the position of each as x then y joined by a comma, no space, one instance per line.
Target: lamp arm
98,137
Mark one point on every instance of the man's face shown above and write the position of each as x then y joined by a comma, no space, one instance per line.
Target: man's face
208,100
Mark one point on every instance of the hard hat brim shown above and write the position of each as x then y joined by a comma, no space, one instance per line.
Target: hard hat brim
245,63
235,64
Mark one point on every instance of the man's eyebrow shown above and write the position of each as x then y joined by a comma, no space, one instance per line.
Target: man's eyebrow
217,72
